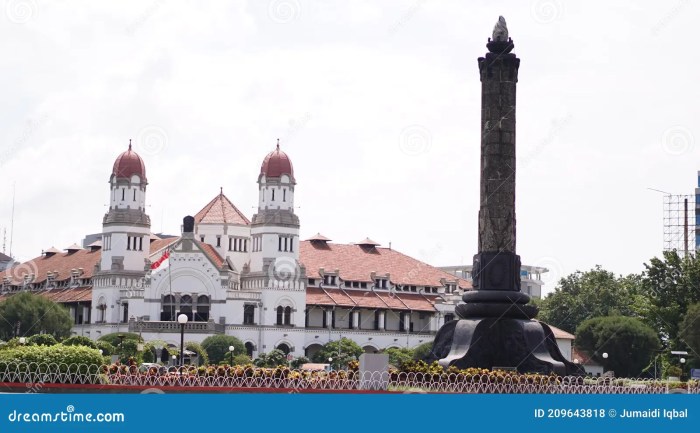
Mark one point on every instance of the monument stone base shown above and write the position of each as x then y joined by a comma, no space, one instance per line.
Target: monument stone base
526,345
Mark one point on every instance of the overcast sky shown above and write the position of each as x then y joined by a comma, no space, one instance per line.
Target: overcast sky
376,103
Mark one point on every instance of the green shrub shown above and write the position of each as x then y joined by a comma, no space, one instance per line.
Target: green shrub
106,348
202,356
114,339
298,362
129,350
217,347
272,359
79,340
57,354
42,340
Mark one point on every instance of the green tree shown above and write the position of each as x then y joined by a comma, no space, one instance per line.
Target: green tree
690,329
629,343
274,358
298,362
217,347
34,314
671,285
595,293
242,359
399,355
422,351
341,351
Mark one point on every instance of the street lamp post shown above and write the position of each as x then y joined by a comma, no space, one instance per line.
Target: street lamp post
682,367
330,361
182,320
231,349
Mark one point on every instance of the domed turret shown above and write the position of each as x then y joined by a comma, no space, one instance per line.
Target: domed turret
276,164
129,163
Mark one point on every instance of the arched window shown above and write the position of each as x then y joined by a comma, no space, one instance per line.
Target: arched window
249,348
167,310
284,347
287,315
280,314
186,306
203,307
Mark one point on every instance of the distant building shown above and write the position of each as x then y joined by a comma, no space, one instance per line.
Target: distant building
5,261
530,276
584,358
697,215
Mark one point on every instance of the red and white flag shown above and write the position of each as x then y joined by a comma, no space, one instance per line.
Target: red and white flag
163,262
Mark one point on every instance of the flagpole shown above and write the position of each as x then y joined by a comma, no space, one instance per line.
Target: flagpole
170,283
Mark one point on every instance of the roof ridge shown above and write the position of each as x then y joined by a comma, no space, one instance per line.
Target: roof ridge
240,214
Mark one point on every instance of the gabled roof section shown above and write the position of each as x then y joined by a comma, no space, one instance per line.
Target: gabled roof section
62,263
221,211
357,263
211,253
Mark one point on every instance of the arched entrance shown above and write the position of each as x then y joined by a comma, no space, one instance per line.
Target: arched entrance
284,347
311,350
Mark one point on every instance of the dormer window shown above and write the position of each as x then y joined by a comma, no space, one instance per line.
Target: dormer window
329,280
380,283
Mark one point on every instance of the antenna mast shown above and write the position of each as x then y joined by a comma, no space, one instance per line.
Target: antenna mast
12,220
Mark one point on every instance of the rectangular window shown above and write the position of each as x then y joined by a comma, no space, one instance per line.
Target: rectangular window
273,195
218,241
284,194
291,244
201,238
279,242
245,245
134,194
312,281
249,314
230,241
128,243
123,192
449,317
141,243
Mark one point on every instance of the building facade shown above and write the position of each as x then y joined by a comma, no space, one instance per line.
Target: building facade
251,278
530,277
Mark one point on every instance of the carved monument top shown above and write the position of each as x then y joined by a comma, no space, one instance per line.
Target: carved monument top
500,30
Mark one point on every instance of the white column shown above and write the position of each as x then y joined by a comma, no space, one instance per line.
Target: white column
356,320
329,318
382,322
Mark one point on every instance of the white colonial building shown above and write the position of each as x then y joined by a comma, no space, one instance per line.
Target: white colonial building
250,278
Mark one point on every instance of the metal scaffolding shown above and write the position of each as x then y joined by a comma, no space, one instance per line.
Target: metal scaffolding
679,223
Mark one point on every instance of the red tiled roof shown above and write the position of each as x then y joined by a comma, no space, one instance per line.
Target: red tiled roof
277,163
61,262
210,251
221,211
129,164
159,245
356,263
560,333
584,358
75,294
369,299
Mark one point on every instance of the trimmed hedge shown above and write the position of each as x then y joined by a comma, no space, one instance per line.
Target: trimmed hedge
42,340
57,354
113,338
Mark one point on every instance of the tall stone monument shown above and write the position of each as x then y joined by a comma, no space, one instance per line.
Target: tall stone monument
496,326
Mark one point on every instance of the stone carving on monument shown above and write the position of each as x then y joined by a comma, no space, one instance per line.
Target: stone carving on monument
496,326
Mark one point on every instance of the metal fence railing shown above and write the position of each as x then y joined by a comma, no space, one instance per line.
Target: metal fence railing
35,375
